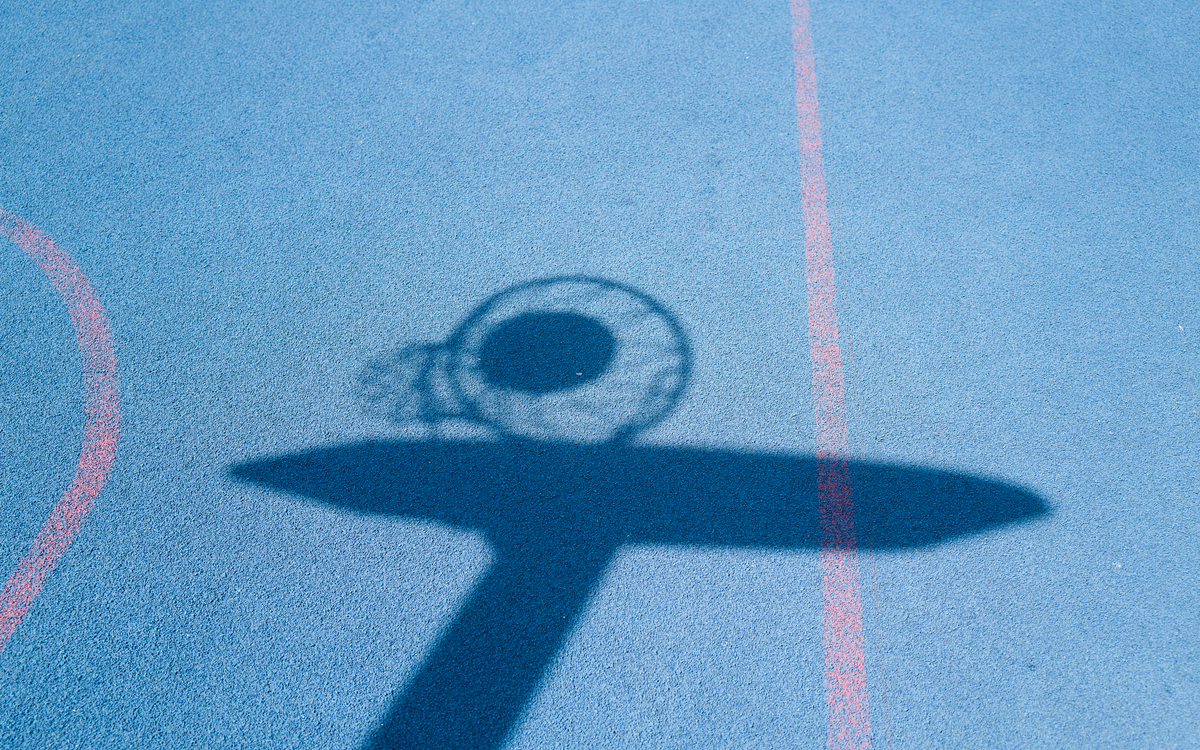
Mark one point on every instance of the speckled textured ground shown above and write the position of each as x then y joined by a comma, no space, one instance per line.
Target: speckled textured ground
289,210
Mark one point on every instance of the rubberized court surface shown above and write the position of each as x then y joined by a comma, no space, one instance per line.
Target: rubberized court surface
790,374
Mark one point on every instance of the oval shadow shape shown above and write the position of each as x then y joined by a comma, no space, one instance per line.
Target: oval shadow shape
546,352
513,492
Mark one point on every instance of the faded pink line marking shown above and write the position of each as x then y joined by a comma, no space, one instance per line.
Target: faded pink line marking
845,670
101,426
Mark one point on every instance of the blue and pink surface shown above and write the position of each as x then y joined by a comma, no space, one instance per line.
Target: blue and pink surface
600,375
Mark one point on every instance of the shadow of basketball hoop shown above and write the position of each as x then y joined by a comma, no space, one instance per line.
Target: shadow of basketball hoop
561,386
572,358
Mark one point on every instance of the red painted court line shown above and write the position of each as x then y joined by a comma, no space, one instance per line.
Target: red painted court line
101,426
845,670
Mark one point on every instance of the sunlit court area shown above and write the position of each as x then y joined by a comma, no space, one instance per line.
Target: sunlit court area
600,374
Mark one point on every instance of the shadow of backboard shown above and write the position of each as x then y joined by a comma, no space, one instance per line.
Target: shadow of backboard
556,513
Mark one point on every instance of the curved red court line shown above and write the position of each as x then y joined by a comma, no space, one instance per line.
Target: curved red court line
101,427
845,669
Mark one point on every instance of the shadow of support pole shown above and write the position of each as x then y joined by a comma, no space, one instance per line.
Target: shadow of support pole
472,687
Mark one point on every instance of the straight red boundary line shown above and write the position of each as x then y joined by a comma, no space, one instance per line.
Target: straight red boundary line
101,426
845,670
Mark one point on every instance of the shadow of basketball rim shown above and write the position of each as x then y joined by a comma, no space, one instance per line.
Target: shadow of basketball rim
569,358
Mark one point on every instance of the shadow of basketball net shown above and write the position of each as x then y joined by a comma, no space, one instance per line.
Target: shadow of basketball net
560,374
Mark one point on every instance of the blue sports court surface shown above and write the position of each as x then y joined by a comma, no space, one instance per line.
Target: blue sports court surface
600,374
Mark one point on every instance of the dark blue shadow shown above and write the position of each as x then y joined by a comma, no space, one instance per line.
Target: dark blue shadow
556,513
546,352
